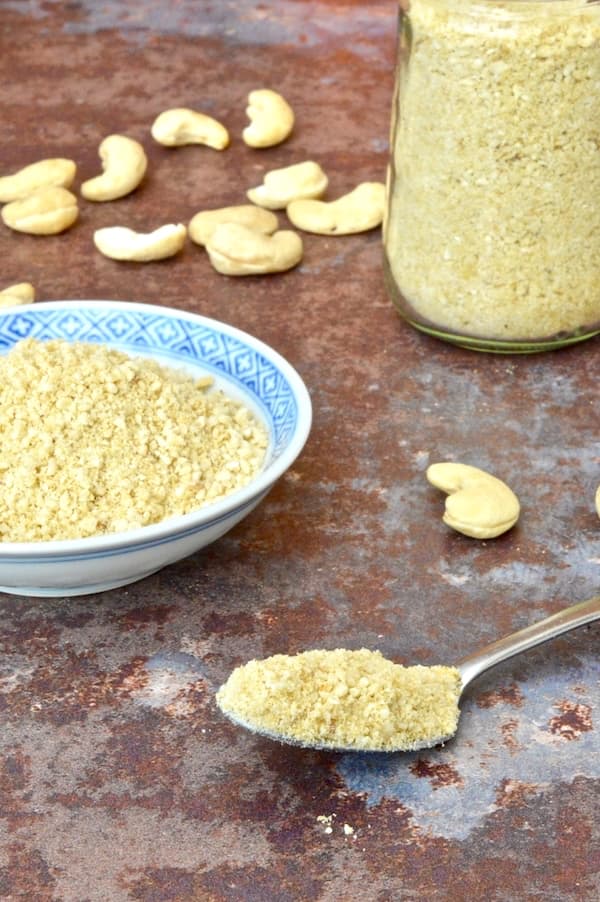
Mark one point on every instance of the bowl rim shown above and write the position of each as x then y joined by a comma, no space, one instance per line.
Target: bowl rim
178,525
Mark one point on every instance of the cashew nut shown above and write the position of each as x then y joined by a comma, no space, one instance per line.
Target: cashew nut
598,500
478,504
358,211
47,212
15,295
121,243
55,171
180,126
271,119
281,186
203,224
124,163
236,250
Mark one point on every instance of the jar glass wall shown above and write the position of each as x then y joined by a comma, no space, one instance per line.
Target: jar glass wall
492,227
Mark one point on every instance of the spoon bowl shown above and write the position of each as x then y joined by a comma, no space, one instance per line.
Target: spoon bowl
465,671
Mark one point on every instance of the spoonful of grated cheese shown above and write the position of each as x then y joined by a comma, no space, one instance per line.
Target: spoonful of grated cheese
361,701
343,699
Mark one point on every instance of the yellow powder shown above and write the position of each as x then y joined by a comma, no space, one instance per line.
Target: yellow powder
493,227
344,699
94,441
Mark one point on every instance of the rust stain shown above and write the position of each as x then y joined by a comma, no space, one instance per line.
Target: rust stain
237,624
176,884
147,615
310,623
508,730
15,772
515,793
66,691
27,875
507,695
575,718
142,760
15,780
190,701
439,774
225,882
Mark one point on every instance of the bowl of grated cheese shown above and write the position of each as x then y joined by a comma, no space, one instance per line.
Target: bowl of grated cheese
132,436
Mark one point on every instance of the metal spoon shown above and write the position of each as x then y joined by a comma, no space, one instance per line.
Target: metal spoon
472,666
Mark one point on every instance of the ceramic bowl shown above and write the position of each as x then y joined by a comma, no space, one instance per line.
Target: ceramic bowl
244,367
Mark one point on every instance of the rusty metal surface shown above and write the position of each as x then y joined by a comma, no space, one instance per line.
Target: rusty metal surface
119,779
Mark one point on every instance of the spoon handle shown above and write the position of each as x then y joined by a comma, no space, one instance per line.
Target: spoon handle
576,615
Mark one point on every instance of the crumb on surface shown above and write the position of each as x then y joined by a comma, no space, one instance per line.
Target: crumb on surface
95,441
344,699
494,226
326,820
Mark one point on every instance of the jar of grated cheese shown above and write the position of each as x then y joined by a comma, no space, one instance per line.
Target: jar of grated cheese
492,226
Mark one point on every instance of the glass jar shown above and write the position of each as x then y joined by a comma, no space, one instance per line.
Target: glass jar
492,226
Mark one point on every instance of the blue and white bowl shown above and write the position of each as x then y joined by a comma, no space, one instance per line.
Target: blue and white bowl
245,368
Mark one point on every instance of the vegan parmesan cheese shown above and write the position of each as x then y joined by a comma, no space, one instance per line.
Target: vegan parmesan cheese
95,441
344,699
493,220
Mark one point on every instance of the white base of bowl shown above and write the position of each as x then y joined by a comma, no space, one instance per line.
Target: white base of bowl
52,592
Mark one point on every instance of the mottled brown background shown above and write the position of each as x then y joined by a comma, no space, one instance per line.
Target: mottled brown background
119,779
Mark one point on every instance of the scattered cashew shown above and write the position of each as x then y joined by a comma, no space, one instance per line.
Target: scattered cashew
598,500
281,186
124,163
358,211
121,243
203,224
15,295
478,504
180,126
47,212
54,171
236,250
271,119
